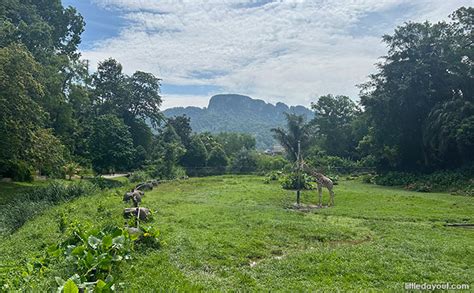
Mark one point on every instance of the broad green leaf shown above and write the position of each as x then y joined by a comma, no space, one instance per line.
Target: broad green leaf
89,258
78,250
100,285
70,287
107,241
117,232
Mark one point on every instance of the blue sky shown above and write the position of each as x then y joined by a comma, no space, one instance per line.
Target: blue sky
289,51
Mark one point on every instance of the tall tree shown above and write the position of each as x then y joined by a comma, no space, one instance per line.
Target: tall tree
167,151
218,159
196,154
144,100
233,142
20,115
334,118
296,131
45,27
182,126
428,67
110,144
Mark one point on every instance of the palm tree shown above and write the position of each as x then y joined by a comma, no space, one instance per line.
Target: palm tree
71,169
297,130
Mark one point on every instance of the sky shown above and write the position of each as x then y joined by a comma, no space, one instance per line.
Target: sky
277,51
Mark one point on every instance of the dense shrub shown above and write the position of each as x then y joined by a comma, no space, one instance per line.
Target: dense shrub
14,216
272,176
89,259
266,163
368,178
139,176
395,179
34,202
291,180
244,162
457,181
19,171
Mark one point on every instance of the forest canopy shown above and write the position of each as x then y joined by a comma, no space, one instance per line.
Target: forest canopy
415,113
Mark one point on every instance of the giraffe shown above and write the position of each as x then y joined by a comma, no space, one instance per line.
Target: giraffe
321,181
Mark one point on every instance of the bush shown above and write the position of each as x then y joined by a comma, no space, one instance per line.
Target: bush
57,191
368,178
266,163
395,179
290,181
245,162
139,176
272,176
334,178
20,171
456,181
14,216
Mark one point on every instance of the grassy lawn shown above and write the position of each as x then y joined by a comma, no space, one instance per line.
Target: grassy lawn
235,232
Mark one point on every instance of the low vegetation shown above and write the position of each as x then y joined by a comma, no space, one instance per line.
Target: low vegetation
459,181
235,232
32,201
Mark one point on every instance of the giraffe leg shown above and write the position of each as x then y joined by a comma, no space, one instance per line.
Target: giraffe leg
320,193
332,196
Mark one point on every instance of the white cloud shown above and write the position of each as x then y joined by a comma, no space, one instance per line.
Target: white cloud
170,101
287,51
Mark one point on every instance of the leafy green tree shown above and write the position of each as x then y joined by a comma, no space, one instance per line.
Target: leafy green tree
132,98
234,142
47,153
51,33
428,70
267,163
20,114
209,140
144,100
449,132
334,121
110,88
218,159
245,161
297,131
182,126
45,27
196,154
166,153
110,144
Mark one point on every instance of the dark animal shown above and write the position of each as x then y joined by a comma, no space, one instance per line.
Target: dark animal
141,213
154,182
144,186
137,199
129,195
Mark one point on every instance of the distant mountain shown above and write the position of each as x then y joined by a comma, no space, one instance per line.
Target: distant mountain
238,113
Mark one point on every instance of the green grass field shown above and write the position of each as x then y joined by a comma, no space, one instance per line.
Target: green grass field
236,233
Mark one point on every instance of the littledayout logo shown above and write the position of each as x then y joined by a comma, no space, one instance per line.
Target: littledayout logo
435,286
